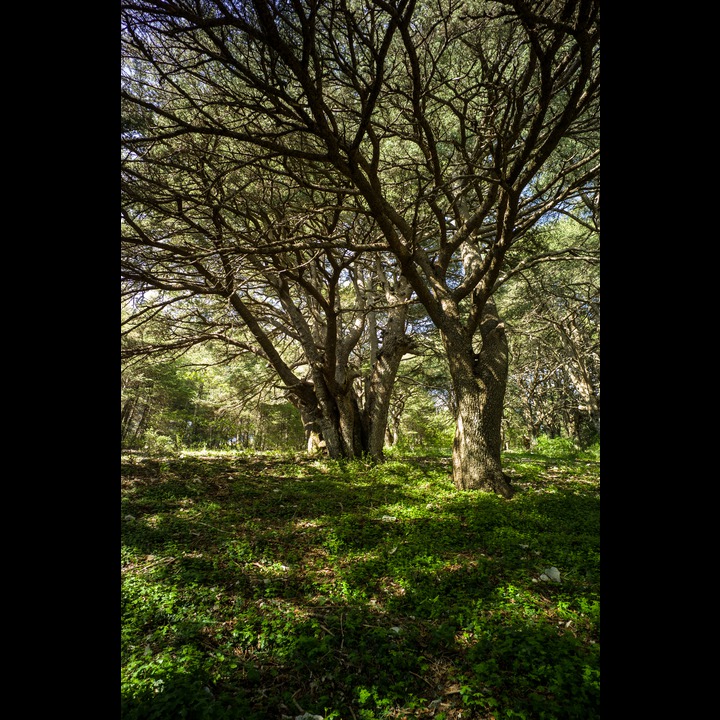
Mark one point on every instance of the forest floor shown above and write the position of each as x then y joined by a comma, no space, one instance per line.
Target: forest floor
271,587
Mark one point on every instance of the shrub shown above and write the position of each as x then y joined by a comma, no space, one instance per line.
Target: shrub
558,447
156,444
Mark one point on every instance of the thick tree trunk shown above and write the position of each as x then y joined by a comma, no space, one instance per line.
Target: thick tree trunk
342,411
329,422
376,412
350,413
479,382
336,424
476,456
313,431
352,431
332,422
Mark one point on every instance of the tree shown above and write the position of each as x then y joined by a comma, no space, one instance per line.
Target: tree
212,241
553,312
457,128
422,401
193,398
154,398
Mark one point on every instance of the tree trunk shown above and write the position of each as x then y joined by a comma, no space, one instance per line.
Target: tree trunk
347,414
332,421
313,431
126,416
476,459
382,380
141,423
479,382
352,432
315,443
335,424
378,406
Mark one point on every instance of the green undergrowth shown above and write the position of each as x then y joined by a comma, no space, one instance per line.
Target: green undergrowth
273,586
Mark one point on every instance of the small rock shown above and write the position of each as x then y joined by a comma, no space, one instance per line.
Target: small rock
551,573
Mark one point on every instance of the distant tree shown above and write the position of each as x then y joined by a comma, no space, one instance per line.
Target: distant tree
553,312
456,128
194,398
422,398
155,396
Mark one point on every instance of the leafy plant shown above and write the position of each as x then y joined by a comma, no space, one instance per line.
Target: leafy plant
156,444
557,447
254,584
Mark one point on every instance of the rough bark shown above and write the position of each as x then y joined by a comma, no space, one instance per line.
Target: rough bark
308,410
352,407
356,426
338,422
479,381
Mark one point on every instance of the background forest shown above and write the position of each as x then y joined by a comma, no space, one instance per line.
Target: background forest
200,397
355,208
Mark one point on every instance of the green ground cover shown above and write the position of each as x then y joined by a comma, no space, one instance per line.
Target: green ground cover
275,586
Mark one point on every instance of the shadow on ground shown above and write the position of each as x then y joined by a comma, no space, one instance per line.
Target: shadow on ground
262,589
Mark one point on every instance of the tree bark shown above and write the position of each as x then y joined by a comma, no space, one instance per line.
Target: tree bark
479,382
335,422
382,378
308,409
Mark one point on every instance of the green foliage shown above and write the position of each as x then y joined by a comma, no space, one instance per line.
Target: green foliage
155,444
191,403
553,314
255,584
592,452
564,448
426,431
558,447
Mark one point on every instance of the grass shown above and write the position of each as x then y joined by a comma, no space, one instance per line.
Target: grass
275,586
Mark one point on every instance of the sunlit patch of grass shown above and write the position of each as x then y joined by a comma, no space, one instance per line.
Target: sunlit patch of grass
256,585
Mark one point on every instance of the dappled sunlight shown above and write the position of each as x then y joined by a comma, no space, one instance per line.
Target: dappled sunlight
278,584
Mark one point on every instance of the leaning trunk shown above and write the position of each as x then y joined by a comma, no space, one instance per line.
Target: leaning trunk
479,382
381,383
